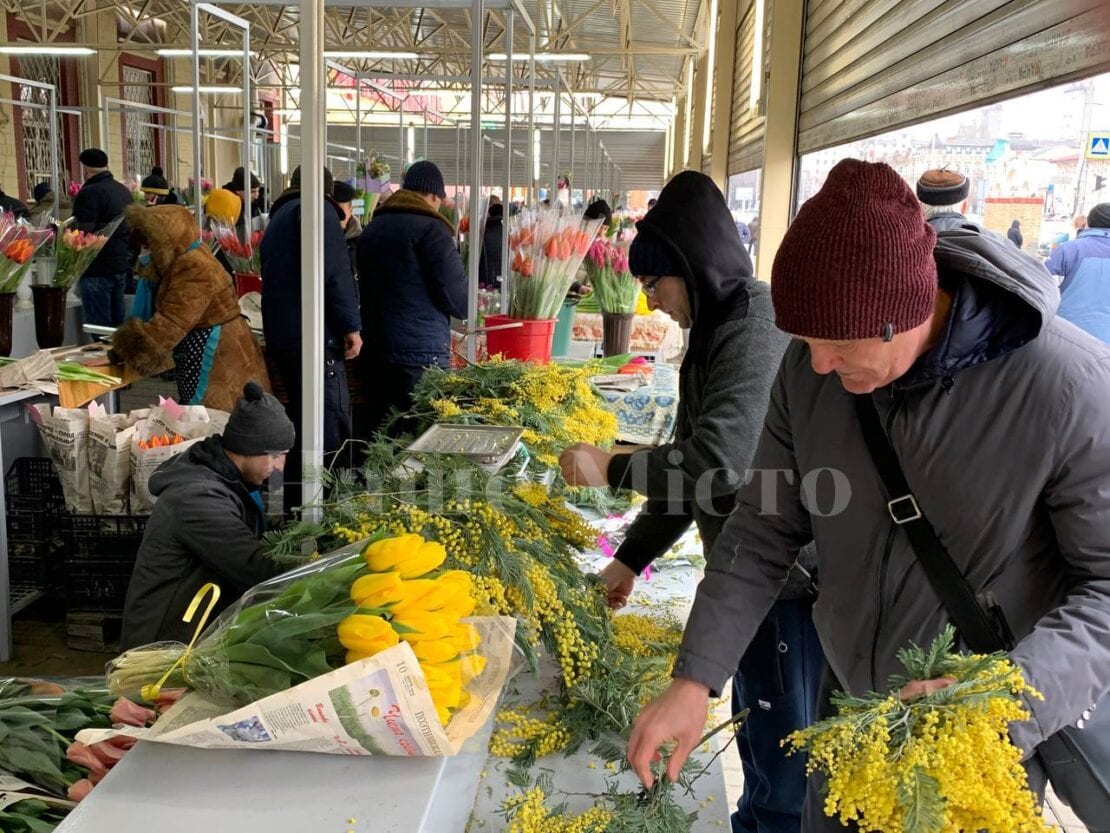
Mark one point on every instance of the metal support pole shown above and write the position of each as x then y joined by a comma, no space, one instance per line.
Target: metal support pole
247,135
426,156
358,126
173,168
532,178
458,166
198,203
570,185
506,195
313,102
54,184
555,143
401,133
477,14
586,199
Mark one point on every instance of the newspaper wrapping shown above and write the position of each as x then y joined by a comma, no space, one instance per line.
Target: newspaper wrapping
167,419
376,706
65,433
109,455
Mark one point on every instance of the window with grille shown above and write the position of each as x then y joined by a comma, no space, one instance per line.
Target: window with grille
35,120
140,136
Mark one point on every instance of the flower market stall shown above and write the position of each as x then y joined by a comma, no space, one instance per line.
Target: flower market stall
403,557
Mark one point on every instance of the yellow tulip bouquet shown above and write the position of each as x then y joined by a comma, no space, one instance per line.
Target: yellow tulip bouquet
322,616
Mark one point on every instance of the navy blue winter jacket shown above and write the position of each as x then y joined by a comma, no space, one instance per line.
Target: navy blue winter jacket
101,200
281,277
411,281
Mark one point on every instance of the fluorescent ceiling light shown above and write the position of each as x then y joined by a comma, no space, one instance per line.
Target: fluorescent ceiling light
372,55
543,57
204,53
214,88
45,49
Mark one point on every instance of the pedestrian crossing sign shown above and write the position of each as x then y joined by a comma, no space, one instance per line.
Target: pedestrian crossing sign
1098,145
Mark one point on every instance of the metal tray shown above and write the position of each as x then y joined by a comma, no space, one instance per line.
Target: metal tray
488,444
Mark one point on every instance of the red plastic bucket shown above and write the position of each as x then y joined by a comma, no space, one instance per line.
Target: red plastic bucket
530,342
246,282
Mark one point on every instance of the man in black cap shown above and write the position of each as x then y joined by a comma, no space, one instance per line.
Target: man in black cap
943,193
412,281
238,186
281,317
208,521
100,201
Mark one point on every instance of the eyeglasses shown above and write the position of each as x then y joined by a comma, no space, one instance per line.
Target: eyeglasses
649,285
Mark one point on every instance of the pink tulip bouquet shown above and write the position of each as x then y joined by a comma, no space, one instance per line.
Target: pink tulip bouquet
76,250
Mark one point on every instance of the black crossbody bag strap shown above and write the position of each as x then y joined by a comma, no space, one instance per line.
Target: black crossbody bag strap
977,628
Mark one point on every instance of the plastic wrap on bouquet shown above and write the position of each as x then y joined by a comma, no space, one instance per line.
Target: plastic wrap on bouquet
370,651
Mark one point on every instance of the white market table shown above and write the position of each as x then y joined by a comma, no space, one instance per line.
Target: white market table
174,789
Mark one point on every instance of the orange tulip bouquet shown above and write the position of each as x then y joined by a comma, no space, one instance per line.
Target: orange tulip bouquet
19,241
382,635
547,247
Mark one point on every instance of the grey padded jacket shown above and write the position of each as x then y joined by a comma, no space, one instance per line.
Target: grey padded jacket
1003,431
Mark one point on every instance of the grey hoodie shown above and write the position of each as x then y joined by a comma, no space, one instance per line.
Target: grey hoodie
1003,435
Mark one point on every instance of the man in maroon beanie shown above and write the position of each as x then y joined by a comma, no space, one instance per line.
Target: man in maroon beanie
947,353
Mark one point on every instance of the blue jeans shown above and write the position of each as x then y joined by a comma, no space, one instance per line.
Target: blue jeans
779,680
102,298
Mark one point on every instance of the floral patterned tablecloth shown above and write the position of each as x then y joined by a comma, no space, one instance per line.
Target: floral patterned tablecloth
646,416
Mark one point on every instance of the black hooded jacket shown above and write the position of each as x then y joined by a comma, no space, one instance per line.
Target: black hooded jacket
281,277
724,383
205,527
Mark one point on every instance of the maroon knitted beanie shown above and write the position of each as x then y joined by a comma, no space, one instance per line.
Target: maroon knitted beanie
858,256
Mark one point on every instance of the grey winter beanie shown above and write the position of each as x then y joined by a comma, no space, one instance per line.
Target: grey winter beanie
258,425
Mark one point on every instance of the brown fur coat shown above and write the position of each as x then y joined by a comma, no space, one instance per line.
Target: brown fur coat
193,291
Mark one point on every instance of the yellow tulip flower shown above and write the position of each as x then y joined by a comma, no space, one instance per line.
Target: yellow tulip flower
472,665
364,635
443,714
419,625
450,597
376,589
410,555
437,650
465,638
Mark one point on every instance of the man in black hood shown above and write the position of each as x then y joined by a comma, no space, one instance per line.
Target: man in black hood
694,267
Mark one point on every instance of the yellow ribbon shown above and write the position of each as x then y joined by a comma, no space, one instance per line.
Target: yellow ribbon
150,692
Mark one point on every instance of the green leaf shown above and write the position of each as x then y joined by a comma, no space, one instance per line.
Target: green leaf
919,795
28,762
71,719
305,624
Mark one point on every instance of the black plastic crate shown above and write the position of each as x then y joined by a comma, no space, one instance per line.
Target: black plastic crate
100,555
33,500
36,565
97,585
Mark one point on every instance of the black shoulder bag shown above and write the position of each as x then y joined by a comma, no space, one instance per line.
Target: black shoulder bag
1076,760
